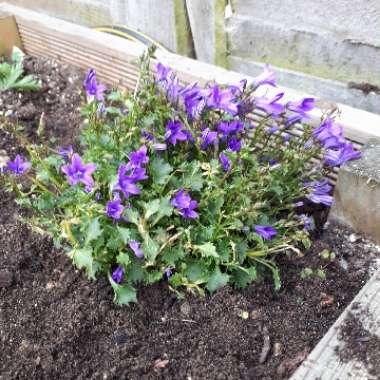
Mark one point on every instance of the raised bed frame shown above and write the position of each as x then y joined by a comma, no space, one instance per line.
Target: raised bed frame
116,63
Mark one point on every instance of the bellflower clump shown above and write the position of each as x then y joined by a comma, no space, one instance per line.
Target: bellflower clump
175,183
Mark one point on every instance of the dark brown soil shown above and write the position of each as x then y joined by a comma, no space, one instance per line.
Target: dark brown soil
55,324
58,100
359,343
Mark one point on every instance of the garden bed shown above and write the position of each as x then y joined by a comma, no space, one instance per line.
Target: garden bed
57,324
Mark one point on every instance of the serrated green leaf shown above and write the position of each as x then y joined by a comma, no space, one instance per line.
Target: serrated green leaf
276,277
132,216
217,280
83,259
160,170
123,294
207,250
153,277
193,178
135,272
172,255
197,272
123,259
150,249
125,234
151,208
165,207
93,231
242,277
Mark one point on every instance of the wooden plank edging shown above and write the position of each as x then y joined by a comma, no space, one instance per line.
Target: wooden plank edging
358,125
323,362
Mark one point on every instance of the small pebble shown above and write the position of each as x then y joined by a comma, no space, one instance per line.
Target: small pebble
353,238
278,349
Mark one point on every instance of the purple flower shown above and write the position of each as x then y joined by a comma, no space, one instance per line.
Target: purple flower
266,232
125,183
222,99
338,157
225,162
185,204
92,87
271,106
266,77
98,196
147,135
163,72
329,134
115,208
228,129
168,272
208,137
137,158
78,172
292,119
118,274
273,129
302,107
307,222
18,166
66,153
135,247
239,89
286,137
138,174
234,145
319,192
174,131
193,100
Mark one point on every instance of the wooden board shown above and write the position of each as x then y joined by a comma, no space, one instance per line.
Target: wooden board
9,36
323,363
115,60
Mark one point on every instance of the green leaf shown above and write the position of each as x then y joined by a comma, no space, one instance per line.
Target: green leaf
165,207
93,231
132,216
193,179
125,234
123,294
217,280
153,277
276,277
150,249
172,255
151,208
197,272
123,259
160,170
242,277
207,250
215,205
83,259
135,272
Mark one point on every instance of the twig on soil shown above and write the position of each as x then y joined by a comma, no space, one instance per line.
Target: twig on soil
176,320
266,346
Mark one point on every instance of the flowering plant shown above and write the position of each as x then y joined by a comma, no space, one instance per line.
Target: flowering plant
178,182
